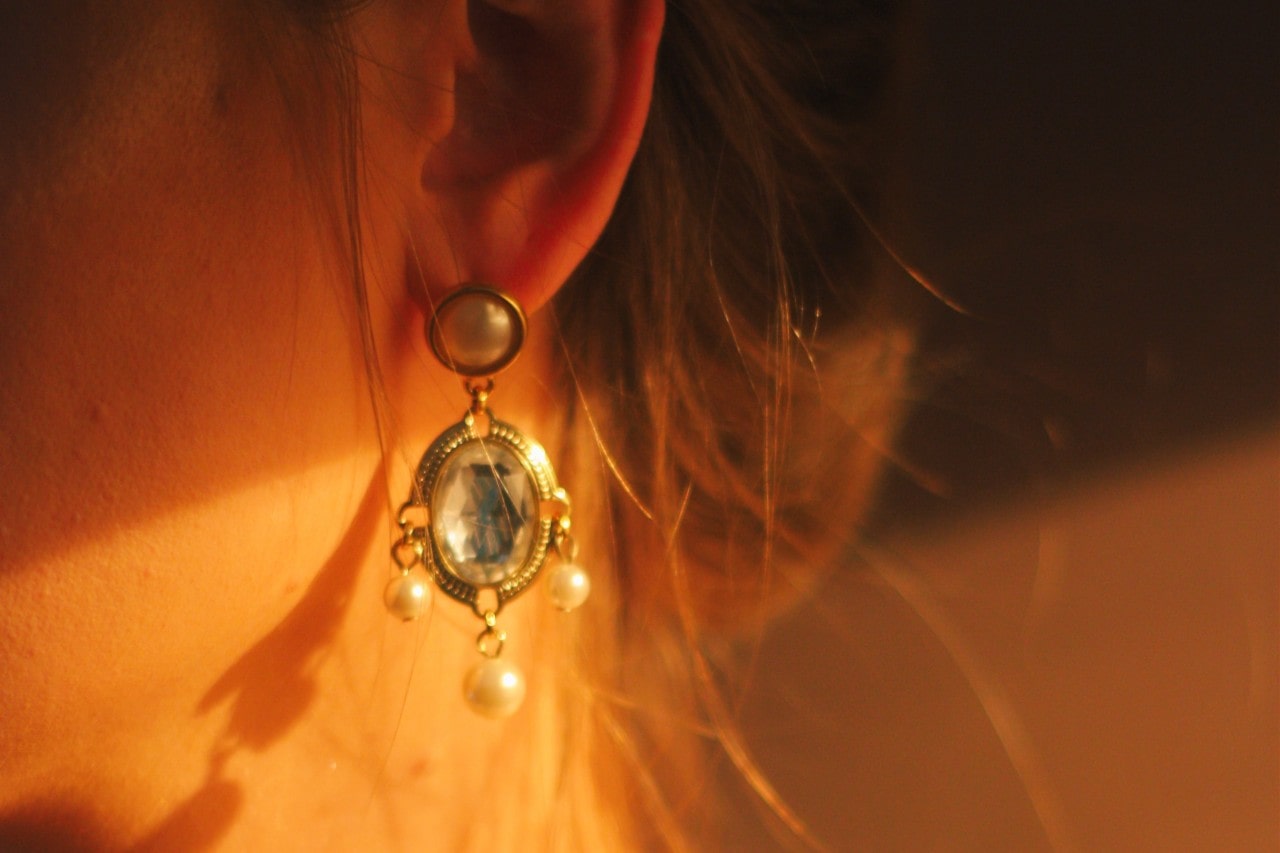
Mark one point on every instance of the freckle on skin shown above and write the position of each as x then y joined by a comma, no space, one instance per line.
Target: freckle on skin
222,99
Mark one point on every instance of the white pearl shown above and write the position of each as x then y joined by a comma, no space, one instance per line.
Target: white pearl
568,586
406,596
476,332
494,688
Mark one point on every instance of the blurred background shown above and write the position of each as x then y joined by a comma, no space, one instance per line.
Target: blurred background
1061,629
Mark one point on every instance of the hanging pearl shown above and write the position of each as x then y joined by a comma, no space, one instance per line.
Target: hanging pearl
494,688
568,586
406,596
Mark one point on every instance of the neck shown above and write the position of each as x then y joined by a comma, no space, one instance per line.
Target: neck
279,705
344,728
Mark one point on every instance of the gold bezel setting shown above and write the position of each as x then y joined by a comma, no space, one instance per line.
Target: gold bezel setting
533,461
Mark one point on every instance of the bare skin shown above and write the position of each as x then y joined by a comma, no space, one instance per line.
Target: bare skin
194,539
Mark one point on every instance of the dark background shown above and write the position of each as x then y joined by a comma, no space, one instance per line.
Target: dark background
1096,185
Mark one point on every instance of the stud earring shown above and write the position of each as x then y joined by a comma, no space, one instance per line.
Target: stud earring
485,512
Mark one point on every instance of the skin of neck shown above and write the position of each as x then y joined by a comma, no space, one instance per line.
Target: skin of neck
192,634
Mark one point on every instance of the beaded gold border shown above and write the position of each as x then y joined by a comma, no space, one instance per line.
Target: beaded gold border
534,460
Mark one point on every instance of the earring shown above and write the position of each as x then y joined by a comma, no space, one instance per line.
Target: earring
485,512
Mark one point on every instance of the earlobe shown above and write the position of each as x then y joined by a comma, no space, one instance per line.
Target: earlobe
549,102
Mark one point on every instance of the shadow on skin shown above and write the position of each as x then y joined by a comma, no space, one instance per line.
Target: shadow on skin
52,829
272,685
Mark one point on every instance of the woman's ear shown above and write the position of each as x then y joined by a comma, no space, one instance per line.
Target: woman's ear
520,120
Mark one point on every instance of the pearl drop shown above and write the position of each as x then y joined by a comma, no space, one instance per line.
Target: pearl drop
494,688
406,596
568,586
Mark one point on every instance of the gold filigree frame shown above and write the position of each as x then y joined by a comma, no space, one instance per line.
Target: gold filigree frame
533,459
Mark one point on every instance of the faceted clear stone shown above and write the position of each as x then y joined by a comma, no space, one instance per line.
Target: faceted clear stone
485,512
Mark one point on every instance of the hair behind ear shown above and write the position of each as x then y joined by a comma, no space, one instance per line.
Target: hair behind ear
696,320
739,435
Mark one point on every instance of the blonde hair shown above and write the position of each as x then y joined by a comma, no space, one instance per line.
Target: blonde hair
731,368
734,369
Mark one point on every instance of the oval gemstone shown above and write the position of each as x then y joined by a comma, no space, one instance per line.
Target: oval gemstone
484,512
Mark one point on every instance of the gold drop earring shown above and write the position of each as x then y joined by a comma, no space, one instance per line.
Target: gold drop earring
485,512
